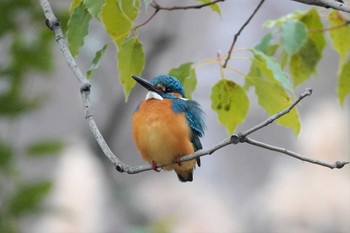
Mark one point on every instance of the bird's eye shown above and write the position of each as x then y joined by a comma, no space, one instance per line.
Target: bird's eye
161,87
167,90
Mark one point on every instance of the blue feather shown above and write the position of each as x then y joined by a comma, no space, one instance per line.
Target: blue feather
195,119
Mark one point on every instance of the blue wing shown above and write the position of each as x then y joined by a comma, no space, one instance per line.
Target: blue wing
195,118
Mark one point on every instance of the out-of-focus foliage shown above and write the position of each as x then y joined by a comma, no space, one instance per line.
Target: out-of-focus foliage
285,57
27,48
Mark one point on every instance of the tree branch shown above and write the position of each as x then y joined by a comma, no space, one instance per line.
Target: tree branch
337,164
239,32
85,87
158,8
335,4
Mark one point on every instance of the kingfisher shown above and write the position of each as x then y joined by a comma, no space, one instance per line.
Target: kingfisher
166,126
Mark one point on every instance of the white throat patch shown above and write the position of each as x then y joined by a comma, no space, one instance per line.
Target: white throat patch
153,95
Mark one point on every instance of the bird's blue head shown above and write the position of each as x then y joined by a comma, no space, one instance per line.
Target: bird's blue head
168,84
164,85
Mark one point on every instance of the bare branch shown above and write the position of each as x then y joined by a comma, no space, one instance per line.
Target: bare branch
337,164
335,4
158,7
239,32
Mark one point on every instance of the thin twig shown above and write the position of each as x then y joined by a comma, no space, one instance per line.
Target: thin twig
337,164
158,8
330,28
239,32
147,20
199,6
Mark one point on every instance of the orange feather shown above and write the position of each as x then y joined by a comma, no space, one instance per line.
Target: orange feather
162,135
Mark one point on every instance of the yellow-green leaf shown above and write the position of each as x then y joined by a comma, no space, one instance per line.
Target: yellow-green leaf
344,82
340,35
117,25
78,26
187,76
94,7
190,83
230,102
214,7
271,69
131,8
273,98
303,63
130,61
74,4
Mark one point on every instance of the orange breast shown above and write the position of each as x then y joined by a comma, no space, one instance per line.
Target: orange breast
160,134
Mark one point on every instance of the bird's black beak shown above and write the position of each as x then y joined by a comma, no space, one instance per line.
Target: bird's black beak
149,86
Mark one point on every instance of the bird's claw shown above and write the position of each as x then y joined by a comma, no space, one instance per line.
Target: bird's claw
155,167
178,161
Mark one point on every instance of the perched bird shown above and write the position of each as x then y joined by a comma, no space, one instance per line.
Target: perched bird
166,126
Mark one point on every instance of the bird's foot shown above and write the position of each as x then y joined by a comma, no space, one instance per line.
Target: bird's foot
154,167
178,161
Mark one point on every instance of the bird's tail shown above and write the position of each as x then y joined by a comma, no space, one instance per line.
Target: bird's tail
184,176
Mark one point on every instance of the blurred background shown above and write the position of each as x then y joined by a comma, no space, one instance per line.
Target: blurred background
54,177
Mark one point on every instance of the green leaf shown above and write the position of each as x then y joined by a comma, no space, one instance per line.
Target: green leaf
214,7
187,76
131,61
6,154
273,98
264,44
344,82
131,8
28,198
117,24
340,37
78,26
303,63
190,83
271,69
293,35
12,105
181,72
282,20
230,102
44,147
96,61
94,7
